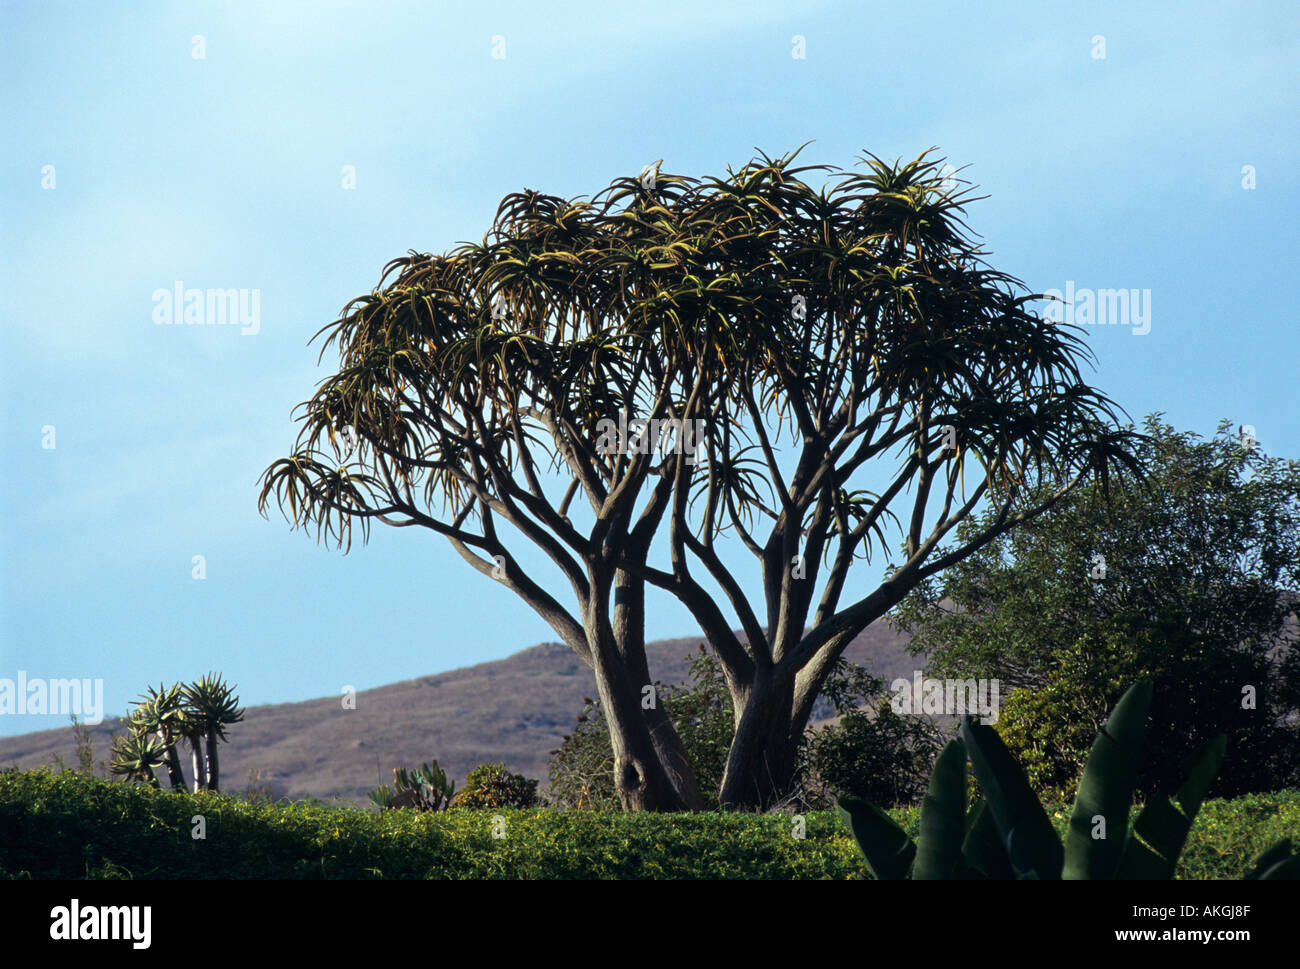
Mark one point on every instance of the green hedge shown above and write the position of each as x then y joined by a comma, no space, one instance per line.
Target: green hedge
68,825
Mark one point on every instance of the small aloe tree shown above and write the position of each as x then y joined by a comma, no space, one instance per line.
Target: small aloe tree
1007,833
197,713
159,714
210,705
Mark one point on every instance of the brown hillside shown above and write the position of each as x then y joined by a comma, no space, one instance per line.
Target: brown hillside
513,710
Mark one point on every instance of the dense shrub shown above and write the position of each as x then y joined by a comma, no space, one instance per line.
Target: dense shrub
60,825
492,786
64,825
883,758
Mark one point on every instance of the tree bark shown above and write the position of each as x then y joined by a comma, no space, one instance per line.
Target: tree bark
640,778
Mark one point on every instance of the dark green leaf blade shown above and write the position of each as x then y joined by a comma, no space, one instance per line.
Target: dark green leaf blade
1031,841
886,848
1106,789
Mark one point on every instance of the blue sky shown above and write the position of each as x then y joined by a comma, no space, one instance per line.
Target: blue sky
225,171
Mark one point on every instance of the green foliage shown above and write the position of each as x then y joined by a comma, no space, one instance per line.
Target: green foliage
492,786
1106,793
210,704
1199,564
1008,833
425,788
67,825
1049,730
136,755
703,716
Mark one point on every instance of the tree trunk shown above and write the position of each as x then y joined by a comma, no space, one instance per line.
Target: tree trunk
760,763
196,762
212,760
640,778
629,640
173,761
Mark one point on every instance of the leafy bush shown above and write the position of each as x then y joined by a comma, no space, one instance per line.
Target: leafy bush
581,769
492,786
883,758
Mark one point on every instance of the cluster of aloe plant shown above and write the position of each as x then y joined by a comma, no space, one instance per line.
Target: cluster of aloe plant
1007,834
195,713
425,788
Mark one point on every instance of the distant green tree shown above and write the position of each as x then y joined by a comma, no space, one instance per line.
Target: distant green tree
196,712
1188,575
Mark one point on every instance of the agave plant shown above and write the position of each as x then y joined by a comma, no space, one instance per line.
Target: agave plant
136,755
159,714
209,706
425,788
1007,833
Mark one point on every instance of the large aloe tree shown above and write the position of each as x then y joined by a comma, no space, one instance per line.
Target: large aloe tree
817,335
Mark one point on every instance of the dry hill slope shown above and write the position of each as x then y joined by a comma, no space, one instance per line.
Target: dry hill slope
513,710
